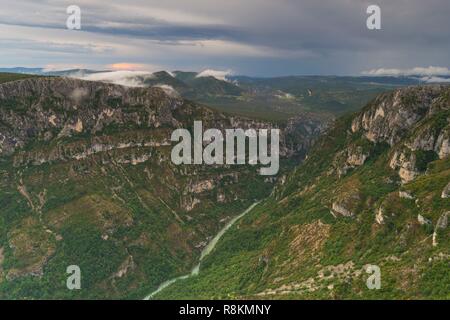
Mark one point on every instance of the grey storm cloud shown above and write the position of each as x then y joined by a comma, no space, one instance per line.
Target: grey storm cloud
263,37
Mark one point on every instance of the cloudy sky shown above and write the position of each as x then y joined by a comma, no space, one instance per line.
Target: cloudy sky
253,37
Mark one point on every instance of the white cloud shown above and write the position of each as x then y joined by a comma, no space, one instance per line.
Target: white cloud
417,71
169,90
435,79
124,78
218,74
61,67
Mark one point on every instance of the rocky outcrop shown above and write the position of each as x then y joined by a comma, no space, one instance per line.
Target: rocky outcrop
429,138
422,220
340,209
405,195
188,203
446,192
301,132
379,216
352,157
391,116
405,163
442,146
406,119
79,151
201,186
127,265
441,224
356,157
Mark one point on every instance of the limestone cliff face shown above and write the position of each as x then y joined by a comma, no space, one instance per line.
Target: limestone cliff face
412,121
405,163
391,116
50,109
446,192
351,157
441,224
339,209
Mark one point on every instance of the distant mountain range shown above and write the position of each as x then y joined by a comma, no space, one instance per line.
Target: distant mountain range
275,98
44,71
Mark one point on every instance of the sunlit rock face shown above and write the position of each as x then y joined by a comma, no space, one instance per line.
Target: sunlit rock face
390,116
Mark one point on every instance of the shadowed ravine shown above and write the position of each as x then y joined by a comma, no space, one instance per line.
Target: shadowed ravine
207,250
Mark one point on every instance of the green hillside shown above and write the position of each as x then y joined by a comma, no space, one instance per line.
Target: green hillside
6,77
